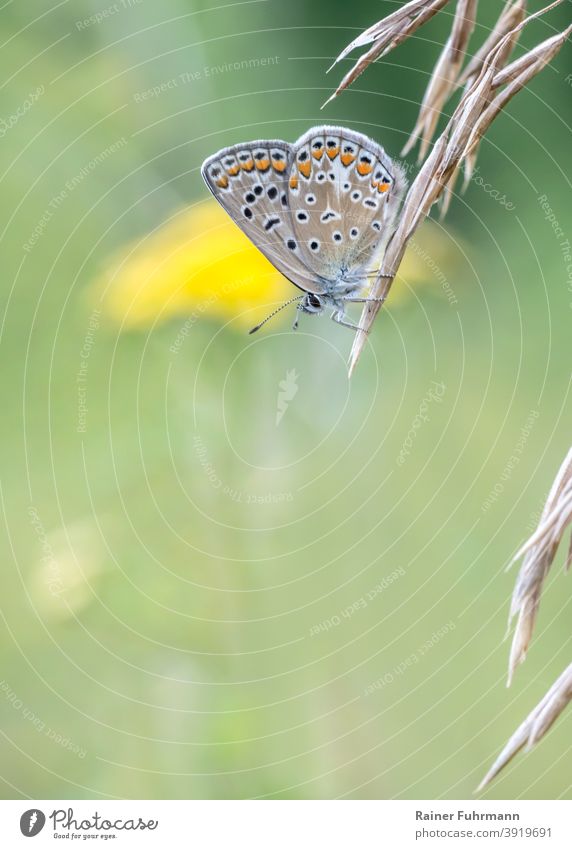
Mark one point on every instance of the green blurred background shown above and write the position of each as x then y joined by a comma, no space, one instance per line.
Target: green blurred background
175,575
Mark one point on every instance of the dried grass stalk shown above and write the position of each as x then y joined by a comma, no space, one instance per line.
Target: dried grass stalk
480,103
444,77
539,553
515,76
385,36
535,725
507,32
511,16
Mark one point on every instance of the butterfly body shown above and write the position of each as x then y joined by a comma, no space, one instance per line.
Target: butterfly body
321,209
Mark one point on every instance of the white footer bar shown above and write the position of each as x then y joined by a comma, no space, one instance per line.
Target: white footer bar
287,824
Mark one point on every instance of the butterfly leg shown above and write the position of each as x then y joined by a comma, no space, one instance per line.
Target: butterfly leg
299,309
339,318
365,300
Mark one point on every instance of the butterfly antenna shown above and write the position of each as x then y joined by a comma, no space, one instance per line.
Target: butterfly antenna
272,314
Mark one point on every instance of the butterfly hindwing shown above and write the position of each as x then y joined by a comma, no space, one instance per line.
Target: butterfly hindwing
344,193
250,182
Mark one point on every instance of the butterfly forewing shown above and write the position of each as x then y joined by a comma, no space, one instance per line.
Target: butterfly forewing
250,181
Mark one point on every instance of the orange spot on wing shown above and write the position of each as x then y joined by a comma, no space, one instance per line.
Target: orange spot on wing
383,187
305,168
317,154
262,164
293,182
347,158
248,165
333,152
363,168
233,170
279,164
222,182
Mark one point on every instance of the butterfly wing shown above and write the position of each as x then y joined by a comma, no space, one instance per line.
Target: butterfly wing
343,193
250,183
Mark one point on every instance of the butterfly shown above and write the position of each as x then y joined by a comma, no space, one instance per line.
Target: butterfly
321,210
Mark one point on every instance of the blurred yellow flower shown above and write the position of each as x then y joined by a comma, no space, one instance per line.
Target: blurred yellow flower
200,261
